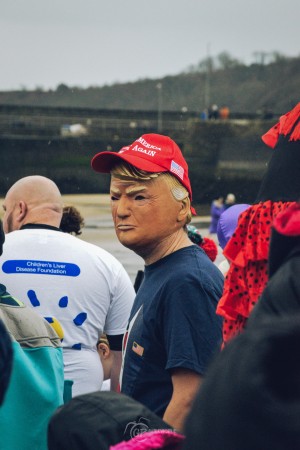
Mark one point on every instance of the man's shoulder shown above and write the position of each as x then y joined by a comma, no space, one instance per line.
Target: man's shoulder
13,235
193,259
193,269
94,251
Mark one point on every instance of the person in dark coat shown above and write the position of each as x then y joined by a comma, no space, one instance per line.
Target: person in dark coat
250,399
216,209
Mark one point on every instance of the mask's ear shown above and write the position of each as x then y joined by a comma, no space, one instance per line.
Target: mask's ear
184,210
2,237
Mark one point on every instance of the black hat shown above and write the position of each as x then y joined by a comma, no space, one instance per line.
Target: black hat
98,420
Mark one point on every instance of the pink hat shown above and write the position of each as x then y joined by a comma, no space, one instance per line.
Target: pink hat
150,152
153,439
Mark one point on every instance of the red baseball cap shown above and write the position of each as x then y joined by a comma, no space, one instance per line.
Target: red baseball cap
152,153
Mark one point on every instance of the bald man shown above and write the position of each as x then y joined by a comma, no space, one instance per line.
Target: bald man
65,279
32,199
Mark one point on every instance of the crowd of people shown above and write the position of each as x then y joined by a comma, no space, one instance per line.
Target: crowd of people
193,360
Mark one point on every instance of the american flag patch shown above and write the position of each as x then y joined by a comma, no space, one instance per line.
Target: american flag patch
176,168
138,349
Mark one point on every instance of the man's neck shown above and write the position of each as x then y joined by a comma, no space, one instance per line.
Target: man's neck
164,248
45,216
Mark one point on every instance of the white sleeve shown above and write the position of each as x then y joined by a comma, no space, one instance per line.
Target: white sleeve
120,305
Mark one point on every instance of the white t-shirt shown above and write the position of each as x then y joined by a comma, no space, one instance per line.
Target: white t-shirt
106,385
224,267
81,285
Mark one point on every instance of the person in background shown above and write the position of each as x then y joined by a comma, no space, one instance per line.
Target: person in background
84,287
204,114
226,227
216,209
213,112
282,293
72,221
173,330
106,358
248,248
224,112
250,398
255,404
6,358
207,244
6,350
31,373
229,201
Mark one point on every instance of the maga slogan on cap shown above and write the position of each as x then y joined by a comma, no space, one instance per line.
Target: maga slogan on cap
150,152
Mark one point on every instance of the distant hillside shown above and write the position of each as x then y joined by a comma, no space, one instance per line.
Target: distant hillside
244,89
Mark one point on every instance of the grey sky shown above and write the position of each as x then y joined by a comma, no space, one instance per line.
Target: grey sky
96,42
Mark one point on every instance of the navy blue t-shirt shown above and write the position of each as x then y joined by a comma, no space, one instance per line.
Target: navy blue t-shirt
173,324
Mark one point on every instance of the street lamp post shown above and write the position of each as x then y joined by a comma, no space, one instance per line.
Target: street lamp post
159,107
207,79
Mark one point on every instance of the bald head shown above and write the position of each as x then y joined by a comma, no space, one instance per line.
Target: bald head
33,199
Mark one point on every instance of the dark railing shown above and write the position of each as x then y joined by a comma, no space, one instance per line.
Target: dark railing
51,122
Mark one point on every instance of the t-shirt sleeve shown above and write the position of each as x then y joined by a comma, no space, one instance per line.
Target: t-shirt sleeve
121,302
192,330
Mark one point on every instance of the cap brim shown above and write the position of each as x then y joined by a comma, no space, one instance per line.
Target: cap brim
103,162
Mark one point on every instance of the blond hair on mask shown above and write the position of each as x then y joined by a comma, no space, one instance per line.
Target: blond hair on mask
125,171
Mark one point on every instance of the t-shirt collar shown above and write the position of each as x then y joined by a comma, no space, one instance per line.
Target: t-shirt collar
32,226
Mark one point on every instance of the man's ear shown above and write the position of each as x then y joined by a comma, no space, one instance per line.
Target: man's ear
22,211
104,349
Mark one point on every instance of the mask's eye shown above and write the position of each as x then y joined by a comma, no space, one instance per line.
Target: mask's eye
113,198
139,197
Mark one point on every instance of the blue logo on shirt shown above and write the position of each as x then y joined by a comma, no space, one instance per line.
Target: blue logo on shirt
41,267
